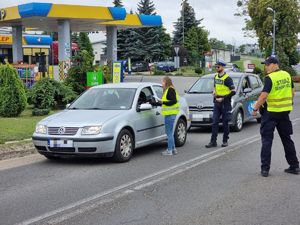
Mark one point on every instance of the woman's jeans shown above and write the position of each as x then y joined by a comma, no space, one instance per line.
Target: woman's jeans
169,125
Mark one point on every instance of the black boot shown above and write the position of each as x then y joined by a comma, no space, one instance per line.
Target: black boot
292,170
211,144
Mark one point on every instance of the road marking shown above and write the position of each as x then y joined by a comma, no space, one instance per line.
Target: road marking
90,203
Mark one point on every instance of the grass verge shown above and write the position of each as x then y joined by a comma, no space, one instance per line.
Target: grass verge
18,128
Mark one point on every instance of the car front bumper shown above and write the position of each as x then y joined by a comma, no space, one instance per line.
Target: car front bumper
103,145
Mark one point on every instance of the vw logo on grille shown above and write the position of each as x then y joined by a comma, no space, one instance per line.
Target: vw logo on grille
61,130
200,106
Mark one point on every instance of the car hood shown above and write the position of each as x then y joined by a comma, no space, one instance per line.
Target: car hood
80,118
195,99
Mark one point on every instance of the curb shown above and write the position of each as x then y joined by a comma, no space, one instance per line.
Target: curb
16,149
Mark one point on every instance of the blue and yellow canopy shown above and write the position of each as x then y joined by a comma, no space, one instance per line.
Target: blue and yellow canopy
44,16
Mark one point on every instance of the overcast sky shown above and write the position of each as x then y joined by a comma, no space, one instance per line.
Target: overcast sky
218,15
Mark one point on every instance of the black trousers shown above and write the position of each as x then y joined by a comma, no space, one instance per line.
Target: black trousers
221,109
285,130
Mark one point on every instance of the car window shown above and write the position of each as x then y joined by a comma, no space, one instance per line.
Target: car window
158,90
206,85
245,83
105,99
145,95
254,82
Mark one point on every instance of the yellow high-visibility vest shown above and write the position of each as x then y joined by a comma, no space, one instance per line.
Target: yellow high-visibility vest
220,88
170,110
280,99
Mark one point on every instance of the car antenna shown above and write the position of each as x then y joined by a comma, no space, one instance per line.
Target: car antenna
142,79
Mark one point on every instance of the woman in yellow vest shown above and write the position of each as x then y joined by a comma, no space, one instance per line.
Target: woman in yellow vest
170,108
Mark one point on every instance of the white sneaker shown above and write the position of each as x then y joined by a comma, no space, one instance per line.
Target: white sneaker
175,151
167,153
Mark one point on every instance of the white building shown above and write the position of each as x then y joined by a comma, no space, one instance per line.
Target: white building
98,40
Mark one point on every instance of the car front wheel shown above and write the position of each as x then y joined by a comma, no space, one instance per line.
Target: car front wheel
238,121
124,147
180,133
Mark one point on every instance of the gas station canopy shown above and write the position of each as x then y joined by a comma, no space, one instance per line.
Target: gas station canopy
45,17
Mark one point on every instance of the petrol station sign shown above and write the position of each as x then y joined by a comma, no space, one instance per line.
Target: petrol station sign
2,14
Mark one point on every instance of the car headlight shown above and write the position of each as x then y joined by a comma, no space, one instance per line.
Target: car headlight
92,130
41,129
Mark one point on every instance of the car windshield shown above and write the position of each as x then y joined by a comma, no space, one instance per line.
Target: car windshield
105,99
206,85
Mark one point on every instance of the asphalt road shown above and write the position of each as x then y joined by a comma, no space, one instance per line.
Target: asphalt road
197,186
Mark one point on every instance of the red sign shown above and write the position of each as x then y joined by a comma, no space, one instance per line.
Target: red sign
251,66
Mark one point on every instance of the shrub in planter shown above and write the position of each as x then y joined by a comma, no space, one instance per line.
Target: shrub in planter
40,112
12,92
49,94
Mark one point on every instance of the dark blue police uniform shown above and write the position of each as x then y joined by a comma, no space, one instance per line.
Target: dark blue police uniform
280,121
222,109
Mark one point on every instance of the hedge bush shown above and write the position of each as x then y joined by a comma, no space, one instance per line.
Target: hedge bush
12,92
198,71
50,94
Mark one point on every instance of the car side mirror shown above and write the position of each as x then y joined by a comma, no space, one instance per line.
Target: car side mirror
68,105
145,106
185,91
247,90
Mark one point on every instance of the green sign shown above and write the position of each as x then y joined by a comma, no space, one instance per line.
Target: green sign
94,78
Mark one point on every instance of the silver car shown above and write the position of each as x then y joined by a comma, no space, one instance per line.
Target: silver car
200,100
109,121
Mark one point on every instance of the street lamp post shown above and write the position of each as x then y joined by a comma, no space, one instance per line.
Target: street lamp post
274,28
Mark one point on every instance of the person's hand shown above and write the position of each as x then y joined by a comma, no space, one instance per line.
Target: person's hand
219,100
254,112
158,99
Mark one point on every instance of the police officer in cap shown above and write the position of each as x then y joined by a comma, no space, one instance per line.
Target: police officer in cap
223,91
275,104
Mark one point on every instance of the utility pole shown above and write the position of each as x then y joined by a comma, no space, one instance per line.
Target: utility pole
274,28
183,8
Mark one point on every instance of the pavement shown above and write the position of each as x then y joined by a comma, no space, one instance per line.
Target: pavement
197,186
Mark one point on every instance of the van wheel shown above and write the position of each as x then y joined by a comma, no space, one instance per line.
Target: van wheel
124,147
238,121
180,133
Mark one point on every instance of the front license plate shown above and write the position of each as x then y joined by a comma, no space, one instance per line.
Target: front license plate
60,144
200,117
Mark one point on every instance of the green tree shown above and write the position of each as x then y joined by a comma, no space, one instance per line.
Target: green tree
12,92
76,78
146,7
85,44
197,44
185,22
242,49
148,43
217,44
118,3
261,22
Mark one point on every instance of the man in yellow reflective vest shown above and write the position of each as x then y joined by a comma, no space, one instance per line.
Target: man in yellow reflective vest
275,104
223,91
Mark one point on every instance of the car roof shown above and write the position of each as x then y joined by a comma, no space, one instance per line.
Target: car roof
134,85
231,74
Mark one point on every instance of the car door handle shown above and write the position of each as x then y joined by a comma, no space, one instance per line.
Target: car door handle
157,113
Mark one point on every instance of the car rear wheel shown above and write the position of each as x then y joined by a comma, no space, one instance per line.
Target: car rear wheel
180,133
238,121
124,146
